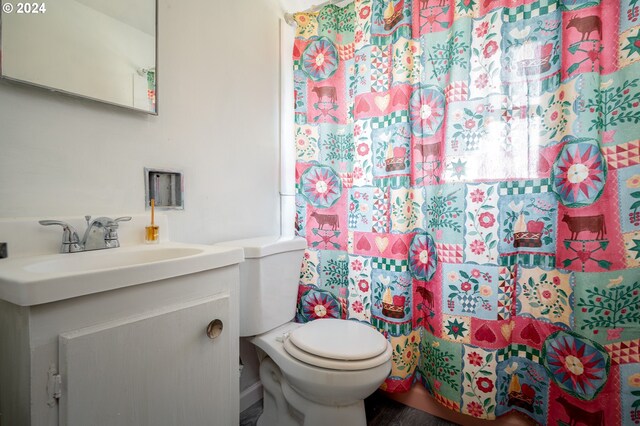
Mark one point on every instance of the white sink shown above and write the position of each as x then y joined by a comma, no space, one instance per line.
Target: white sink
34,280
109,259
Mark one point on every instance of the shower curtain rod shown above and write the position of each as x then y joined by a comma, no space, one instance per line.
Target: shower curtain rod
288,17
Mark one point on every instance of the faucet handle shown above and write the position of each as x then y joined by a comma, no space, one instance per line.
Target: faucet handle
112,224
70,238
48,222
70,235
111,238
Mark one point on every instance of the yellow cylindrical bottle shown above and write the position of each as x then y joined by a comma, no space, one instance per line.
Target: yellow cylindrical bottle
152,232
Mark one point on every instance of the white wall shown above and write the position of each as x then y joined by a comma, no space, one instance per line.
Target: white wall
218,86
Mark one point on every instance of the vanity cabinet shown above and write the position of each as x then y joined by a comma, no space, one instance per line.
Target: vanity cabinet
139,355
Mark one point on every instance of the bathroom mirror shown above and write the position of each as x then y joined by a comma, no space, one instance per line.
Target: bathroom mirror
103,50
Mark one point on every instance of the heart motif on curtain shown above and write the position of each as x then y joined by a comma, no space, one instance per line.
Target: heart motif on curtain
362,106
363,244
400,98
530,333
382,243
413,114
507,329
382,102
399,247
485,334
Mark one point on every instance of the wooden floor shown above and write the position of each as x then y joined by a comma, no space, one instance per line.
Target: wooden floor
381,411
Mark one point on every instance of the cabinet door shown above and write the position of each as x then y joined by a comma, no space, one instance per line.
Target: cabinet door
160,368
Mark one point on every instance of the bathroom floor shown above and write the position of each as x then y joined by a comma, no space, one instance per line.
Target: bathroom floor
381,411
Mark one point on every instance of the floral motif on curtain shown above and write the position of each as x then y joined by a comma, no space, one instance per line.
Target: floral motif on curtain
468,184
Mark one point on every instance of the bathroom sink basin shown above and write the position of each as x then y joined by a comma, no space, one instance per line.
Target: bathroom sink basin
41,279
108,259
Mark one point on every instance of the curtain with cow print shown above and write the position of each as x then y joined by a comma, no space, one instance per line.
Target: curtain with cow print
468,184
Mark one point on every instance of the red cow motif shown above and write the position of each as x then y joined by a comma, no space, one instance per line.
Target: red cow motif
326,219
586,25
327,92
578,224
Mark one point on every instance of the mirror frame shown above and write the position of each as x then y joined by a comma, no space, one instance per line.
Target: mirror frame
78,95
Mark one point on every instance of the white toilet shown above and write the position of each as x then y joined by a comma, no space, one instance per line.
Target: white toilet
316,373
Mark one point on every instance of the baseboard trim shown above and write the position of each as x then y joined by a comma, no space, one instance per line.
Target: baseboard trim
250,396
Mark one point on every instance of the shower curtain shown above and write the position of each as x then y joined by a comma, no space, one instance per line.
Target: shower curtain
468,183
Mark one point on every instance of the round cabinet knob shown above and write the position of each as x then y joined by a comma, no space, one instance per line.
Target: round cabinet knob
214,329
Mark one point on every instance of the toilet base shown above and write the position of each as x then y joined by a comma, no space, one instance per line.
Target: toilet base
284,406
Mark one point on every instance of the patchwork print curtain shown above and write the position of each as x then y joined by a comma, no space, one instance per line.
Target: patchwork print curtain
468,183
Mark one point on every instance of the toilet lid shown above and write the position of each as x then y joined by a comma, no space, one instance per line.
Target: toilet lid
337,364
339,344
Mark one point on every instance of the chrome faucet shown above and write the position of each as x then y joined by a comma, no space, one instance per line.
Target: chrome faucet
101,233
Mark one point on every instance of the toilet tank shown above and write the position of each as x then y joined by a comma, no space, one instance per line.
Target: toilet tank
269,278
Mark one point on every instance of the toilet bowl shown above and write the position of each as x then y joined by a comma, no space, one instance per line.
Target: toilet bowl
329,384
316,373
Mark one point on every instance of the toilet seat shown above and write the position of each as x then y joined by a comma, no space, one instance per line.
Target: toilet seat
338,345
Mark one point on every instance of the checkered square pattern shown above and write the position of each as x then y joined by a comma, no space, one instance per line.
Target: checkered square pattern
528,11
393,265
393,118
520,351
520,187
